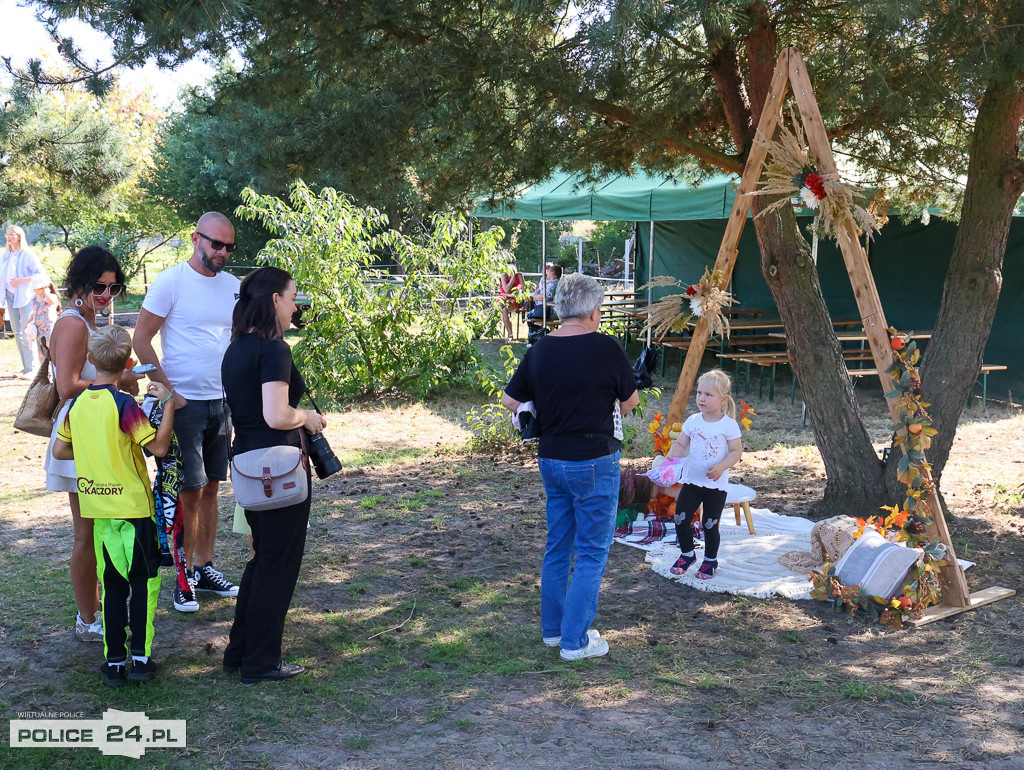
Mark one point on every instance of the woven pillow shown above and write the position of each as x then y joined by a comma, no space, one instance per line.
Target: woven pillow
830,539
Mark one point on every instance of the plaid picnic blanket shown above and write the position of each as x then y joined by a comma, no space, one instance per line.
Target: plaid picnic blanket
645,532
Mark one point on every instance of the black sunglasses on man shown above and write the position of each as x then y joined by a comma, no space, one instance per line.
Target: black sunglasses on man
218,245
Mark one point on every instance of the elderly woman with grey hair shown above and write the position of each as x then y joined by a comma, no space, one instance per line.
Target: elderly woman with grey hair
574,376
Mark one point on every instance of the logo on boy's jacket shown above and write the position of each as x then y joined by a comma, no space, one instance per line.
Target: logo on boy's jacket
91,487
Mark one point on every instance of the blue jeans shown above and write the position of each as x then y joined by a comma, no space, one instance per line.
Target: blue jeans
582,501
19,320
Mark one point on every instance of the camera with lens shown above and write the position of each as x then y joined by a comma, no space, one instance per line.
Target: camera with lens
325,462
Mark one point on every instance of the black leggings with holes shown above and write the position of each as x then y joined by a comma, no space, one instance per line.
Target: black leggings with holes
691,497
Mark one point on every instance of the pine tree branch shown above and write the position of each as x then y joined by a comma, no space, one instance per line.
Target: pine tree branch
675,137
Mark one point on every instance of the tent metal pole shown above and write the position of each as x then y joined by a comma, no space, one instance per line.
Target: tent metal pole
650,276
625,257
543,271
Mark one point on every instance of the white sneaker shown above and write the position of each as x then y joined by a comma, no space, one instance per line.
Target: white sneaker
89,632
556,641
596,647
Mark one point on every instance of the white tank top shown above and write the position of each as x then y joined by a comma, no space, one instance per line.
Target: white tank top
88,370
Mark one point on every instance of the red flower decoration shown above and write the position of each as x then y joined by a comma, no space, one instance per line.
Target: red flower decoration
816,185
691,291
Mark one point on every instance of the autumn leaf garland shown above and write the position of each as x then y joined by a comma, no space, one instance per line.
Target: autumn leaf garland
906,523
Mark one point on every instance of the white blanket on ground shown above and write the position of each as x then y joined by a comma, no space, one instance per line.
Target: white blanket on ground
748,565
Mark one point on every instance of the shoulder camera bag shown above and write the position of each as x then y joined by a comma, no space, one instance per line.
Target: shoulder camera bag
274,477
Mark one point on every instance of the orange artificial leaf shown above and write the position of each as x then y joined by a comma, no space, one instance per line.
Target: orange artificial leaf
663,507
746,409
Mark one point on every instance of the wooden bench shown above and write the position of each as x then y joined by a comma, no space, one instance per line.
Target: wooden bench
982,379
769,360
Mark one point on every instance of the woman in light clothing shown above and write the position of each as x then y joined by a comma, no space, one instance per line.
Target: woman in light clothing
17,266
94,279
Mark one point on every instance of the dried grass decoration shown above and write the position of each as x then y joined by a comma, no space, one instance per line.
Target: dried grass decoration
703,299
791,173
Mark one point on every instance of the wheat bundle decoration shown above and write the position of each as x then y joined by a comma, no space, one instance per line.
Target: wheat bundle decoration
791,172
702,299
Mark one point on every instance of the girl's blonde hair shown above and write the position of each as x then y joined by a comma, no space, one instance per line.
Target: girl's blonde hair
719,382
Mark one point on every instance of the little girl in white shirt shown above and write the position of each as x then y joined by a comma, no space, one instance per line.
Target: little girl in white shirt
711,442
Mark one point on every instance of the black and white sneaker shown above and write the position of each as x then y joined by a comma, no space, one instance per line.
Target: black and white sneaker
209,579
185,601
142,672
113,675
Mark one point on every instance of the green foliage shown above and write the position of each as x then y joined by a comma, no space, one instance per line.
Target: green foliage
491,423
372,332
523,237
132,233
634,425
74,166
440,100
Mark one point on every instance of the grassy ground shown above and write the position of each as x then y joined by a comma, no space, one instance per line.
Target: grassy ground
417,615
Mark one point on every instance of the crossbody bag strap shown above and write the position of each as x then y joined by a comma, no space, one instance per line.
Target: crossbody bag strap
227,433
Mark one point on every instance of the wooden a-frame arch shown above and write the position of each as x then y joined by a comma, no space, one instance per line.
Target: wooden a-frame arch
790,69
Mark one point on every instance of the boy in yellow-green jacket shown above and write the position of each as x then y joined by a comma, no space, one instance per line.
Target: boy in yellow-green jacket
104,432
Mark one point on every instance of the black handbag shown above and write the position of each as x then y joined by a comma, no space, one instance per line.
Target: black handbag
643,367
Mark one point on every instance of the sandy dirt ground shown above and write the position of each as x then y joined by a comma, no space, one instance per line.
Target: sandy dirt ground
454,543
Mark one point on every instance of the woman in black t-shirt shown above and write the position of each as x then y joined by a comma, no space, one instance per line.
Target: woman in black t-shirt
574,376
263,388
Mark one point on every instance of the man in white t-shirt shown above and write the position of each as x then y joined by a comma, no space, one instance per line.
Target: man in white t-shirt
190,304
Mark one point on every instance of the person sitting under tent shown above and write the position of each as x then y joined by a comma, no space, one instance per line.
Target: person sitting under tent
544,299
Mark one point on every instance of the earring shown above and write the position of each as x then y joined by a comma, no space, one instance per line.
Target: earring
78,302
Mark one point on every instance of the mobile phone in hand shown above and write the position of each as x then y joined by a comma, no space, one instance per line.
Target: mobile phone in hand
144,368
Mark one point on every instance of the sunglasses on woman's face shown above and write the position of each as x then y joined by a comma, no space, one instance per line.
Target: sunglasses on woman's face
218,245
113,288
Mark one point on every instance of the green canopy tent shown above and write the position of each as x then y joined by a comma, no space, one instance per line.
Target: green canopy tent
686,223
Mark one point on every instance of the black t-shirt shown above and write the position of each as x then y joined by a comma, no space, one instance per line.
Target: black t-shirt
249,362
573,382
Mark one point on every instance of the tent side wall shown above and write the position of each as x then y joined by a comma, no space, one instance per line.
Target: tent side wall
909,261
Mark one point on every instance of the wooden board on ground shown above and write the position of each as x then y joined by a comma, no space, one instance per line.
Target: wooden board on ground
977,599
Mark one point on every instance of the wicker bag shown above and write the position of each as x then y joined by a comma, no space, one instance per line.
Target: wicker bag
35,415
270,478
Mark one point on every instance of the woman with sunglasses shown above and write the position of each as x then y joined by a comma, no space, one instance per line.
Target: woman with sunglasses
94,279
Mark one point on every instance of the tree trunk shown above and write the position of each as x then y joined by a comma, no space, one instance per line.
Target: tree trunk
995,181
855,482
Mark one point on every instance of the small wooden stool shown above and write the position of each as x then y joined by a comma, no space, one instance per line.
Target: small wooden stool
738,495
